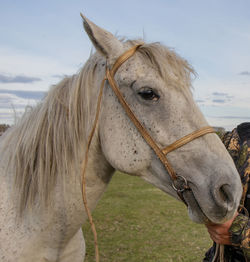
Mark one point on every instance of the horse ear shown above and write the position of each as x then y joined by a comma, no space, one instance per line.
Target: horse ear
104,42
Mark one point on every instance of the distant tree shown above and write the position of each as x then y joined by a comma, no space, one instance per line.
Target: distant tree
3,127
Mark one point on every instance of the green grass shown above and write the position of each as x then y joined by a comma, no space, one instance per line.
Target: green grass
137,222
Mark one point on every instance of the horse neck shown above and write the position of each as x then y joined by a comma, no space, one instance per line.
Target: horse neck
99,171
98,174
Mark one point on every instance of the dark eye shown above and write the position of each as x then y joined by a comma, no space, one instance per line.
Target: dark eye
148,93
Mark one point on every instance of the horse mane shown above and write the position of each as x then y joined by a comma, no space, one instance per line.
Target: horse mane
45,144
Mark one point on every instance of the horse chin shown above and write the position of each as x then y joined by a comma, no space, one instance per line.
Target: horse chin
197,216
194,210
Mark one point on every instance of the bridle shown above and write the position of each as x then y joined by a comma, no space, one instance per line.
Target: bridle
179,183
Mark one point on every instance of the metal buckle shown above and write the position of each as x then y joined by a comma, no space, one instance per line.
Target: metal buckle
180,184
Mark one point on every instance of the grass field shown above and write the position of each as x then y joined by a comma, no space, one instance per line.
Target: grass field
137,222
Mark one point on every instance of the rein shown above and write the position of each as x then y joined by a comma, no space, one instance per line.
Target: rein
179,183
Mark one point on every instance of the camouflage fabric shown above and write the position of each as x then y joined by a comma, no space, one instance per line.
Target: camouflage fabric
239,149
240,152
240,231
237,143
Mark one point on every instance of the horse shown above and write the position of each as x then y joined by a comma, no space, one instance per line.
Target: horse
41,206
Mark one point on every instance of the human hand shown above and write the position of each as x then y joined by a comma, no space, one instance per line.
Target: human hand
219,233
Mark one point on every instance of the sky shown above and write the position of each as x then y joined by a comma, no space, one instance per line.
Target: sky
43,41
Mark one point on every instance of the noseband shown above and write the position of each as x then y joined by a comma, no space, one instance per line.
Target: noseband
179,183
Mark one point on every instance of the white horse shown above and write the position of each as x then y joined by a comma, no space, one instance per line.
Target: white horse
41,207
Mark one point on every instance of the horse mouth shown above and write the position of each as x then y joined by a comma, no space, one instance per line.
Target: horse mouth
194,210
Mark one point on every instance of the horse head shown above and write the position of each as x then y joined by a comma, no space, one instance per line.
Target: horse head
156,84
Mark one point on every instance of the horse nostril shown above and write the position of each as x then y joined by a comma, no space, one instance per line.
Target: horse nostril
223,193
223,196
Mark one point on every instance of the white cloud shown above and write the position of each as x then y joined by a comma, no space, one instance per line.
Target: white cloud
245,73
17,79
18,63
15,62
12,107
21,63
232,91
10,100
227,122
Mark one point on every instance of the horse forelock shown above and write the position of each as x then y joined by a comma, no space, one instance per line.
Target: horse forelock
173,69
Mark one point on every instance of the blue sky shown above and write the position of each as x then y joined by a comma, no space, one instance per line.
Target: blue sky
41,41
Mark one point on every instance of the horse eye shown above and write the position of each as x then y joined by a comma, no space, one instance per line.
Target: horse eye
148,93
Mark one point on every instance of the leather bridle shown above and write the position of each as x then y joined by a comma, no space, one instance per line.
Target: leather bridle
179,183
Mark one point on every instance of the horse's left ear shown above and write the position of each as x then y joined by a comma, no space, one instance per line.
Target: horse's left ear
104,42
